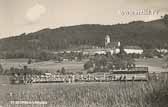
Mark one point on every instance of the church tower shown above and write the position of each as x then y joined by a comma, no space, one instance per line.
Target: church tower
107,40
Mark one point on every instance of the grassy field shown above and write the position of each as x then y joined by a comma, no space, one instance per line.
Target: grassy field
154,65
114,94
50,66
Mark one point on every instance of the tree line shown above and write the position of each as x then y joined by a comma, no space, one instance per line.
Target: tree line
108,62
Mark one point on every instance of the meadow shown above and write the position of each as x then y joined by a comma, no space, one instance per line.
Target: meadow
50,65
154,65
102,94
112,94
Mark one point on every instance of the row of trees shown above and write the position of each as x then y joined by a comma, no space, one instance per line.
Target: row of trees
105,63
25,70
43,55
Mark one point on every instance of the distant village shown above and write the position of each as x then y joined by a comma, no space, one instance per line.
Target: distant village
115,47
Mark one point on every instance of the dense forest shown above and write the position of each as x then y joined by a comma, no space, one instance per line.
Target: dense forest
148,35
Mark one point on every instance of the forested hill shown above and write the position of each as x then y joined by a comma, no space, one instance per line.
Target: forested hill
145,34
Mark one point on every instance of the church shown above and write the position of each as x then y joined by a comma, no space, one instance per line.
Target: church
109,47
112,47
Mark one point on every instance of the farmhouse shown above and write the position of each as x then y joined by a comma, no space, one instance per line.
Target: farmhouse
133,50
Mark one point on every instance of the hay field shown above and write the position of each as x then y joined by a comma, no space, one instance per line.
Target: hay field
113,94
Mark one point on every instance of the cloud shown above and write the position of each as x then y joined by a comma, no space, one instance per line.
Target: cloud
34,13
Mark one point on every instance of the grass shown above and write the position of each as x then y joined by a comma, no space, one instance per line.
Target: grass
154,65
114,94
156,62
50,66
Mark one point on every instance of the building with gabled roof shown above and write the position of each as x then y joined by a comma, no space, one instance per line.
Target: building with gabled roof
133,50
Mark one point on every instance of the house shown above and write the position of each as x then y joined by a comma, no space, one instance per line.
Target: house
133,50
47,74
113,51
113,47
99,51
162,50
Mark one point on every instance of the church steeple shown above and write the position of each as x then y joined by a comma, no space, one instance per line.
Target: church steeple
107,40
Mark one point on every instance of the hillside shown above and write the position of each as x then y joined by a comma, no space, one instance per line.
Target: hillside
145,34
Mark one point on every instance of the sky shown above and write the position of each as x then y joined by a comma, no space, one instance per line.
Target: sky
25,16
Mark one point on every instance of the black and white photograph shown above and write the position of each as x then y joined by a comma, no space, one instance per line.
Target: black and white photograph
83,53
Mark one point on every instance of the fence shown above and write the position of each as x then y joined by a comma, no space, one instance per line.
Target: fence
106,77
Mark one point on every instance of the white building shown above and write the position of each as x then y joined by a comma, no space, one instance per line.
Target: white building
100,52
114,51
133,50
107,40
162,50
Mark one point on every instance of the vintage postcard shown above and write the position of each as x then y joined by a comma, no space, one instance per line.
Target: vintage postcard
83,53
